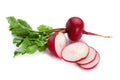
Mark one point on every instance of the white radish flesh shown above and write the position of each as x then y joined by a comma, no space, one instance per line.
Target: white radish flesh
75,52
56,43
60,43
92,64
91,56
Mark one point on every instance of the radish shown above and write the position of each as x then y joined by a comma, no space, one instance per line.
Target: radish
75,52
91,56
75,29
56,43
92,64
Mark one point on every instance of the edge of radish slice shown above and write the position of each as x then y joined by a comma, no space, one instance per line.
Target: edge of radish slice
92,64
60,43
91,56
75,52
56,42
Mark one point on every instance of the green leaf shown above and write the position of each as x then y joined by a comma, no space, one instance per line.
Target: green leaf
31,49
22,49
20,31
18,27
43,28
33,35
42,48
17,41
12,21
27,40
24,23
19,51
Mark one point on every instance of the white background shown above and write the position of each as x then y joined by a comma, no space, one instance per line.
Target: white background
100,16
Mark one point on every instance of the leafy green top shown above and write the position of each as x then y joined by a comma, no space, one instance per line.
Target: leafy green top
28,40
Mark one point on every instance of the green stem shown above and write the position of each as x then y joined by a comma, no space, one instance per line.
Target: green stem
53,30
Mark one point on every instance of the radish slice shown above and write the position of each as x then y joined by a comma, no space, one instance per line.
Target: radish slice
56,43
91,56
92,64
75,52
60,43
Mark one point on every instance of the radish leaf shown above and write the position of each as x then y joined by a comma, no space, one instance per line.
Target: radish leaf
26,39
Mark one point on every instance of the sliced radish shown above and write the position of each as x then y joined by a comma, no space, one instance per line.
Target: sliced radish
75,52
91,56
56,43
92,64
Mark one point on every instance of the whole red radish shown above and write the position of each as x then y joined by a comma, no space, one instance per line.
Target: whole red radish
56,43
75,29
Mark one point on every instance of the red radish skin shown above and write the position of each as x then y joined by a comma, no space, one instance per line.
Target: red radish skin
56,43
92,64
75,52
75,29
91,56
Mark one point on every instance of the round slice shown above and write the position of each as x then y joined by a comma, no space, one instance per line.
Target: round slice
92,64
91,56
56,43
75,52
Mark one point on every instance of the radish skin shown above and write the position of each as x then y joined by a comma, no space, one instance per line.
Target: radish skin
75,28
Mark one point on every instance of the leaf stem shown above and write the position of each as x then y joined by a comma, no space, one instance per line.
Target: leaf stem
53,30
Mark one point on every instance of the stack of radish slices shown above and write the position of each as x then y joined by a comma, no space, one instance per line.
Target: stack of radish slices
77,52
